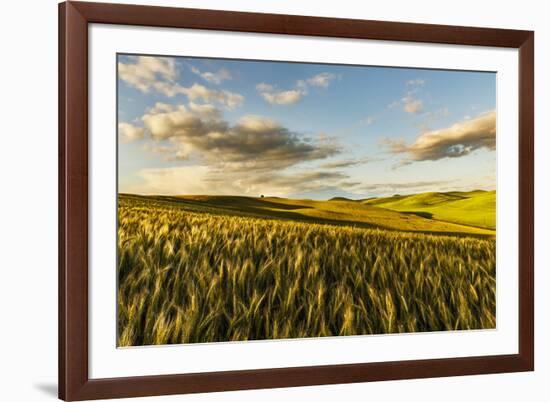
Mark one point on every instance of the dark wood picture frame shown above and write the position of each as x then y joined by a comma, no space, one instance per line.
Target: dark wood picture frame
74,18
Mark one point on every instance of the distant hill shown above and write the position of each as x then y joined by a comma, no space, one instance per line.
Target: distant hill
476,208
338,211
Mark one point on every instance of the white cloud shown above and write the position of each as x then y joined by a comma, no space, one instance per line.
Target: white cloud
412,105
257,124
321,80
205,110
166,121
229,99
160,107
146,72
159,74
410,102
213,77
129,133
274,96
283,97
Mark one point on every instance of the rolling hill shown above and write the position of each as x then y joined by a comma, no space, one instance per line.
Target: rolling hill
474,208
336,212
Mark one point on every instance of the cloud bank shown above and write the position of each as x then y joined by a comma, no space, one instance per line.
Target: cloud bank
458,140
252,143
202,180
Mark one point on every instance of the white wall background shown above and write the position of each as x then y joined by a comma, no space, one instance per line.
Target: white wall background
28,201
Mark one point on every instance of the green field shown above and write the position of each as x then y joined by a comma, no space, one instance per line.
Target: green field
225,268
474,208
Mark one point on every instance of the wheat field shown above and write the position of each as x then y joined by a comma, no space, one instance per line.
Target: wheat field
192,276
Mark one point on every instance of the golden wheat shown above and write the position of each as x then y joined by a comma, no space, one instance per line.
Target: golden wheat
190,276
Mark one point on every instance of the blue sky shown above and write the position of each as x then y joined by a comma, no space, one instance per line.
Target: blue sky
212,126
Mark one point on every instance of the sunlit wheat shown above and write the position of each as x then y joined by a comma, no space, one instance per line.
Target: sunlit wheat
187,277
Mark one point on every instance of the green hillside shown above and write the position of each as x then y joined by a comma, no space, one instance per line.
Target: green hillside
476,208
336,212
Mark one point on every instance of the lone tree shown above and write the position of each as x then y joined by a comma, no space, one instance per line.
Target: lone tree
262,196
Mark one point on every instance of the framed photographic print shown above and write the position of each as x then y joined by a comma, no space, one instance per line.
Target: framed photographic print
259,200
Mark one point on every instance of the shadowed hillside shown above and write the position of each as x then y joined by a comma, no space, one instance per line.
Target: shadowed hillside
335,212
